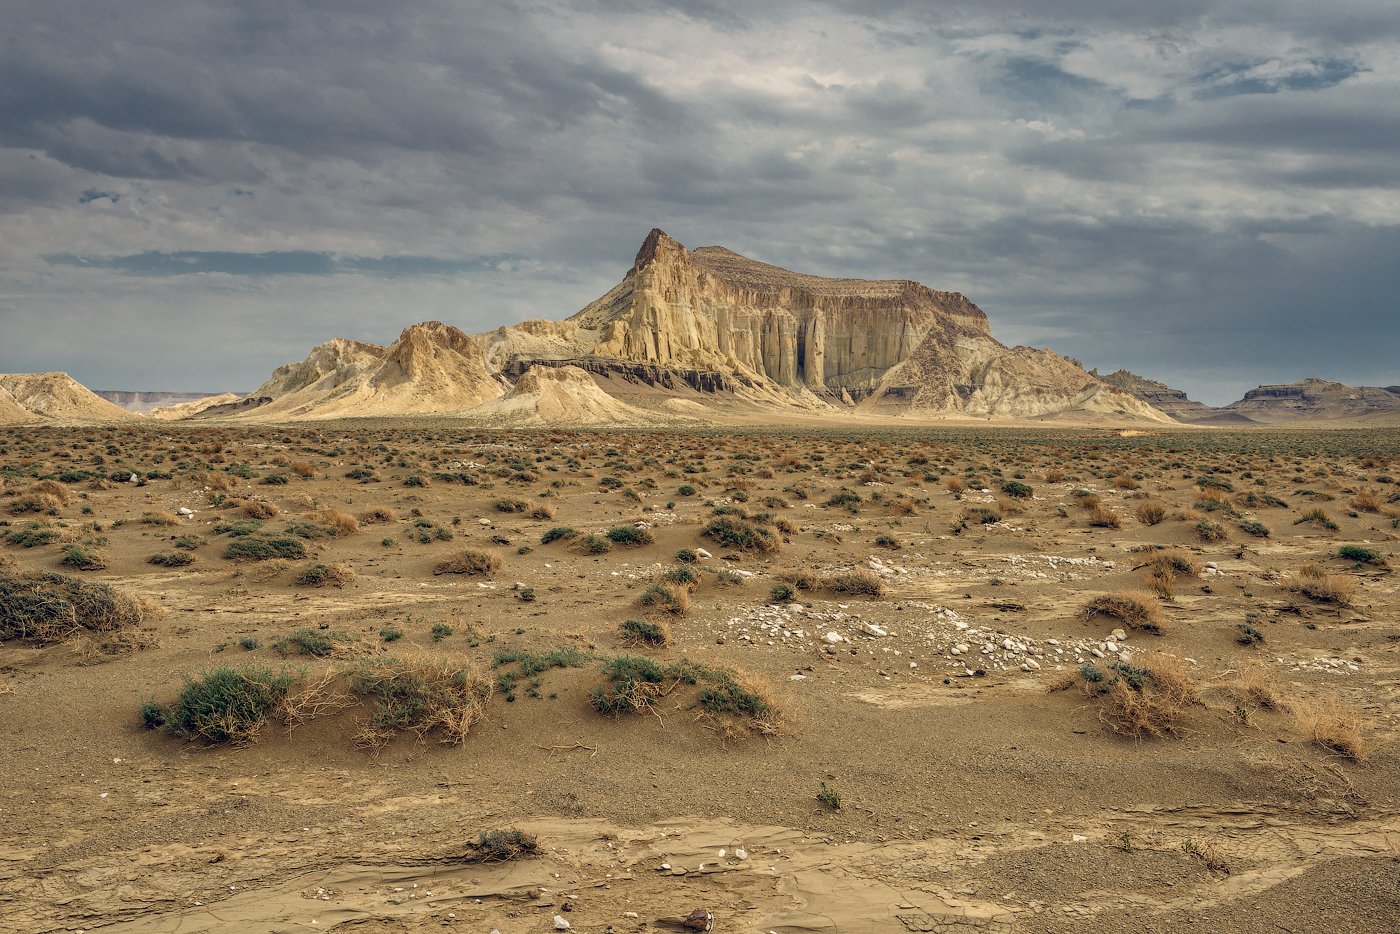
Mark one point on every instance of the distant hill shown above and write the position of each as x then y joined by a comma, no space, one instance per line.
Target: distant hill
39,398
145,402
1159,395
1319,400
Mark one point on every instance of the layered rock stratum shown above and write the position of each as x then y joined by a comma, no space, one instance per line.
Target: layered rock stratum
691,330
53,398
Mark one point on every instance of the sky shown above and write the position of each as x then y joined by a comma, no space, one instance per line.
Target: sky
191,194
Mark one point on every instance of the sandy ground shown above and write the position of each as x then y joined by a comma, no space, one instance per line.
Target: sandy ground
972,797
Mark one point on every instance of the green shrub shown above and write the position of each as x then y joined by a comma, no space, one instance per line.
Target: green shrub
1317,517
317,642
227,705
554,534
262,549
741,534
171,559
1257,529
1210,531
32,536
1361,555
83,559
630,536
47,608
593,544
641,631
845,499
1016,489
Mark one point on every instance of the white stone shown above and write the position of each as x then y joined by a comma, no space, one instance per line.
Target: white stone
560,924
702,553
833,638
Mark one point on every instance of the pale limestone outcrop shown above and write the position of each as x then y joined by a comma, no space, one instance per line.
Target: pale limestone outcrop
54,398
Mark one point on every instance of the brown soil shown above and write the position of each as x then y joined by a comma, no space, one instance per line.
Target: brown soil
973,797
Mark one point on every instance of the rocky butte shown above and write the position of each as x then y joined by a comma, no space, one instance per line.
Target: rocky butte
711,328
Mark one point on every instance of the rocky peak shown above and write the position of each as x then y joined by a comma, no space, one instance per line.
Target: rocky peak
657,246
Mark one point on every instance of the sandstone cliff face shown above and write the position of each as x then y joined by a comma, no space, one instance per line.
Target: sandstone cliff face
713,309
56,398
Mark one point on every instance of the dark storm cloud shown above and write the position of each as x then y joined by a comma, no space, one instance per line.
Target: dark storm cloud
1143,184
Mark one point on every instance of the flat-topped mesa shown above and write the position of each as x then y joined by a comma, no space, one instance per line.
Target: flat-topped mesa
712,308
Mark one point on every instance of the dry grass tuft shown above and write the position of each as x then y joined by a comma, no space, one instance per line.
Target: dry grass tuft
1101,517
339,523
1151,512
801,578
1315,583
377,515
666,598
1148,698
1334,727
859,581
261,509
420,694
1138,611
1255,684
473,563
542,511
1367,501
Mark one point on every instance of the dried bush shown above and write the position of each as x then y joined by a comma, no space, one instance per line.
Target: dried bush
325,575
421,695
1148,698
48,608
666,598
1102,517
339,524
1151,512
1334,727
261,509
1138,611
860,581
473,563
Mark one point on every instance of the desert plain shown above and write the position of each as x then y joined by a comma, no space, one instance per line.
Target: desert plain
412,675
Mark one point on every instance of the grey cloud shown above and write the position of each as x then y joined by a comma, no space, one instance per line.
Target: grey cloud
275,263
1143,185
1270,76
